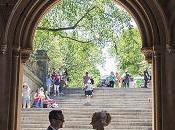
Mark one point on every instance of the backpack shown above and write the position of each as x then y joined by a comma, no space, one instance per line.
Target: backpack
92,81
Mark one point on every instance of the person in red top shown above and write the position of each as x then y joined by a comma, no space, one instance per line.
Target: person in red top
39,98
86,78
36,99
57,84
118,80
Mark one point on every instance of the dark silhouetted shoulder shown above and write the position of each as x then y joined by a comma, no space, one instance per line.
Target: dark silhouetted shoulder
49,128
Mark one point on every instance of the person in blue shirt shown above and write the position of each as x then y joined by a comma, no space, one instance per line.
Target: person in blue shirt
112,80
126,79
49,84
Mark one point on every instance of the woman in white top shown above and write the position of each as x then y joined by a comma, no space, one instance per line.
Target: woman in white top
88,88
25,96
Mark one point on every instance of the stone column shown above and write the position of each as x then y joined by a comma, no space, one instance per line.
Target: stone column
19,97
158,78
5,64
169,89
149,56
18,57
14,90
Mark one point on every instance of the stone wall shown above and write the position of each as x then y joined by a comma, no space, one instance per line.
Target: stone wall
42,60
38,65
32,80
36,70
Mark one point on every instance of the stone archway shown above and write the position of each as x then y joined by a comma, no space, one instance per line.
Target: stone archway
19,34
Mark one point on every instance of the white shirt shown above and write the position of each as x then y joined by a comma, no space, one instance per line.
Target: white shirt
89,87
26,92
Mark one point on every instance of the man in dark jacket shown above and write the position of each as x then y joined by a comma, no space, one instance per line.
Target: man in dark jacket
146,78
126,79
56,119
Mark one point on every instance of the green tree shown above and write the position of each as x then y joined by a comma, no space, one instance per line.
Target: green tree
129,52
75,31
95,21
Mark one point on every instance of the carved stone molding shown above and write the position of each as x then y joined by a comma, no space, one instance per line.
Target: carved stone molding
158,50
148,52
25,54
170,47
3,49
16,52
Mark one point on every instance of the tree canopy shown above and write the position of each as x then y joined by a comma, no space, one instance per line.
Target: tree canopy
74,33
129,54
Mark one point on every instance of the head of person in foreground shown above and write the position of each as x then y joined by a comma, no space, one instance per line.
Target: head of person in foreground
100,120
56,119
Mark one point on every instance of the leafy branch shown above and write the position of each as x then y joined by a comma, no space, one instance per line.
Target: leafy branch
73,39
66,28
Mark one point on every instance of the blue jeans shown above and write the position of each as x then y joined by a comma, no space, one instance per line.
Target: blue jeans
38,104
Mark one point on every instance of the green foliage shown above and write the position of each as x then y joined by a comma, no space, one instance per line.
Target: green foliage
129,52
97,21
75,31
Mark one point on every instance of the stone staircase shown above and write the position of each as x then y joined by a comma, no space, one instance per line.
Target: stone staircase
130,109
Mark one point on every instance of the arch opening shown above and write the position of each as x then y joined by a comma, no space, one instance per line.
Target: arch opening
22,34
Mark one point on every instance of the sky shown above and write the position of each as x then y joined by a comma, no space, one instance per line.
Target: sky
109,65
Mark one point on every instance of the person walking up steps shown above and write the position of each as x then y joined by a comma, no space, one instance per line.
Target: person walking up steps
112,80
88,92
57,84
86,78
126,80
146,78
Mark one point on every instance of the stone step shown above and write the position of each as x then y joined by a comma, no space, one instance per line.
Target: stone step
76,90
116,118
108,92
104,97
85,120
106,128
130,109
138,128
88,118
88,112
116,101
85,110
105,107
87,126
